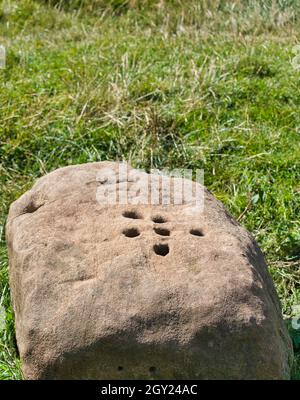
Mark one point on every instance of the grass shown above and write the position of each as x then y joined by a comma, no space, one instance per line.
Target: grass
199,84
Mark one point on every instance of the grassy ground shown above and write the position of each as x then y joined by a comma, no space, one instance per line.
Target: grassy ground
198,84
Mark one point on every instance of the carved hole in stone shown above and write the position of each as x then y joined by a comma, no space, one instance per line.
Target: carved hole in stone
120,368
162,231
158,219
131,232
152,370
31,208
196,232
161,249
132,215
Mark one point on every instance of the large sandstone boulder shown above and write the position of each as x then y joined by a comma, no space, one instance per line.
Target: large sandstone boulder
115,291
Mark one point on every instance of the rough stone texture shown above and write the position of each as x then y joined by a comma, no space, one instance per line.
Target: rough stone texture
93,303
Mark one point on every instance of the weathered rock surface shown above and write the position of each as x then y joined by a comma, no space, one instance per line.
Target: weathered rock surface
138,291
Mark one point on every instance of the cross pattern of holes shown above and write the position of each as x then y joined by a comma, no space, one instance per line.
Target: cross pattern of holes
161,249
